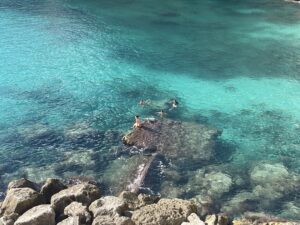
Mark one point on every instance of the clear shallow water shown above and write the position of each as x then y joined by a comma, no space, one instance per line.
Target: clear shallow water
72,69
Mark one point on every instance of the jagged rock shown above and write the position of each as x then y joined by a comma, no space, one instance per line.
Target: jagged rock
112,220
135,201
211,220
84,193
51,187
71,221
42,214
76,209
22,183
19,200
165,212
108,205
193,220
216,220
145,199
174,139
131,199
9,219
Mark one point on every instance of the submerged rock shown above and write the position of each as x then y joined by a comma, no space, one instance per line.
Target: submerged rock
42,214
175,139
112,220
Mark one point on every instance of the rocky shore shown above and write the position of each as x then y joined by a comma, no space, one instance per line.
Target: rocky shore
81,203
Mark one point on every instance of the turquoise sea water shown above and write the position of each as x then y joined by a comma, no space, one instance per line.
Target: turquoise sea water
78,68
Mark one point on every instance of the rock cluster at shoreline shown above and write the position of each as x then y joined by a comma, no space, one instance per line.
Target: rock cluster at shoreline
27,203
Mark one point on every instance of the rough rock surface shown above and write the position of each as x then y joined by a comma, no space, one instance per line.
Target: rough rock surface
135,201
272,181
112,220
165,212
38,215
174,139
22,183
51,187
84,193
108,205
216,220
193,220
9,220
71,221
76,209
19,200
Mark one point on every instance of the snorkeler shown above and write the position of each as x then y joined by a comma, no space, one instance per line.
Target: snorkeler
161,113
138,122
144,102
174,104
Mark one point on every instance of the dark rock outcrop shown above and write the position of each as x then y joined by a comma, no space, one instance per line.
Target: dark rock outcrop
175,139
51,187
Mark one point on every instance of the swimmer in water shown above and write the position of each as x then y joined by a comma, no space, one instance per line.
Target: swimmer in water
161,113
138,122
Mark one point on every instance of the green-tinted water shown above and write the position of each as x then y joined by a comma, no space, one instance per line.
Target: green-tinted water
79,68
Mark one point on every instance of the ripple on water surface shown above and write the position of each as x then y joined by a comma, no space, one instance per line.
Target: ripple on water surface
72,73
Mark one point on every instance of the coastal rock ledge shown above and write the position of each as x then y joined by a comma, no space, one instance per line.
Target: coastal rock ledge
82,204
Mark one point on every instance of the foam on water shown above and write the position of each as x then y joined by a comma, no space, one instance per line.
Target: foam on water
72,73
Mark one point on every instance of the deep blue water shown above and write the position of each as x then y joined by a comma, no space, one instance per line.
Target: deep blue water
72,73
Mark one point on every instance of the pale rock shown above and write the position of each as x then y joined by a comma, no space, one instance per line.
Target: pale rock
19,200
84,193
76,209
38,215
112,220
165,212
211,220
108,205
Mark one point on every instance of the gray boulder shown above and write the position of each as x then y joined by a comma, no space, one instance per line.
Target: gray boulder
84,193
108,205
38,215
51,187
165,212
19,200
76,209
22,183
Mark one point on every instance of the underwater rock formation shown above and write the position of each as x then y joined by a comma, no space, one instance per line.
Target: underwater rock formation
178,142
175,139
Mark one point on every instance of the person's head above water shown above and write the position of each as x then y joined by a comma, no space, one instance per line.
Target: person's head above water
137,117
